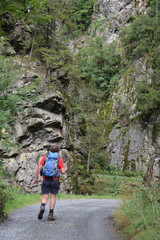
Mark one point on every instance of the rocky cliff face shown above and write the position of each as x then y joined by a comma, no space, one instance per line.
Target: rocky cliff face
40,125
114,15
133,143
132,140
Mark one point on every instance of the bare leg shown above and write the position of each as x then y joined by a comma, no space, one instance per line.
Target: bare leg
52,201
43,203
44,198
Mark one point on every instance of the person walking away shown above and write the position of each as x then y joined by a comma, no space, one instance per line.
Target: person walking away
50,184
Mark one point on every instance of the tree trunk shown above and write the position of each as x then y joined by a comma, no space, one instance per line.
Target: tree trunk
150,176
89,155
30,55
53,30
47,31
157,9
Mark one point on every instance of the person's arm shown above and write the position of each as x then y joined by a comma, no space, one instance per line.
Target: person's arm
37,173
61,166
62,170
39,169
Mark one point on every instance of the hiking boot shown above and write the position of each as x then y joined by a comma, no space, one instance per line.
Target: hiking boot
51,217
40,215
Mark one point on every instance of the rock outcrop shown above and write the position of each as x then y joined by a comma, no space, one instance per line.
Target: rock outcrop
132,140
39,126
113,15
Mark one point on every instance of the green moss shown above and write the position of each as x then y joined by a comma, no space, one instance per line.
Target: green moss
108,115
126,162
155,131
137,2
128,83
133,165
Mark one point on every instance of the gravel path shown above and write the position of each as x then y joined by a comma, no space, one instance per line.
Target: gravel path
82,219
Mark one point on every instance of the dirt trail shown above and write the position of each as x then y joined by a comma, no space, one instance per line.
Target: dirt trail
82,219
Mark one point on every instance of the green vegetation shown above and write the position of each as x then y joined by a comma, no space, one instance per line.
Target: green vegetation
7,99
82,11
93,74
99,63
105,187
139,218
18,199
4,191
9,102
139,39
9,107
116,186
148,95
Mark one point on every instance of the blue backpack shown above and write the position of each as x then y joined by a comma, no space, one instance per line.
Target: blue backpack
50,168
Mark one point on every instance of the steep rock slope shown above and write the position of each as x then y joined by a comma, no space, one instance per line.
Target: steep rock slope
132,139
133,142
114,15
41,124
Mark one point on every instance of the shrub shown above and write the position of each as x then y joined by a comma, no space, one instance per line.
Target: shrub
99,65
148,96
139,217
4,190
140,37
100,160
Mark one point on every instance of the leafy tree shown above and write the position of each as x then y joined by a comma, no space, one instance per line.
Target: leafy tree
61,22
62,61
82,10
140,37
155,8
99,64
19,9
148,95
7,106
7,99
148,92
4,191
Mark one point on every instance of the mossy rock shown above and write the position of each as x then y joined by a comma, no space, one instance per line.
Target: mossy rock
155,131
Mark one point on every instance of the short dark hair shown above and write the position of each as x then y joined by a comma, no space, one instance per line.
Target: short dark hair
54,148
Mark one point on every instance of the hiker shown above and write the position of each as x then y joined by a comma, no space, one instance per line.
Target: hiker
50,184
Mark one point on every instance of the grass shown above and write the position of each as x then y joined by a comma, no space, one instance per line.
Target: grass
139,218
116,186
20,199
105,187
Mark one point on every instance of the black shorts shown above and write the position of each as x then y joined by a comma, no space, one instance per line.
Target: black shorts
50,186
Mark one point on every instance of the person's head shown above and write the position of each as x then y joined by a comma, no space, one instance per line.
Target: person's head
54,148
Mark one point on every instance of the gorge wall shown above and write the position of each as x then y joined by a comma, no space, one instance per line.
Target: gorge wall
132,140
114,15
42,123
